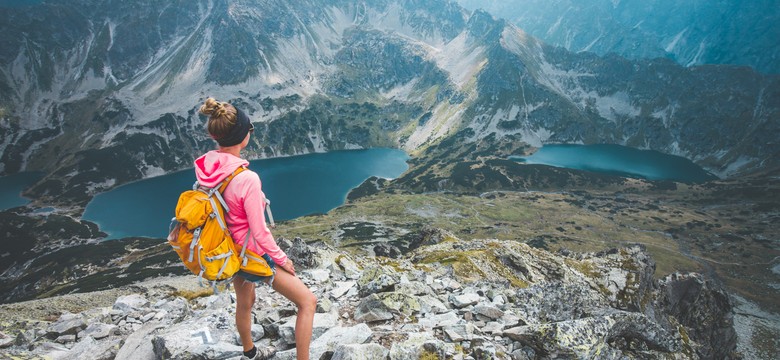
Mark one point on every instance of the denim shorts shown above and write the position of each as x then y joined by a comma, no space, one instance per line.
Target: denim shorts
257,279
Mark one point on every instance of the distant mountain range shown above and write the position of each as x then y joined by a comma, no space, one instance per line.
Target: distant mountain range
692,32
99,93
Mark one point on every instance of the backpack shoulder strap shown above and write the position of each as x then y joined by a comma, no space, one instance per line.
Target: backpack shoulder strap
225,182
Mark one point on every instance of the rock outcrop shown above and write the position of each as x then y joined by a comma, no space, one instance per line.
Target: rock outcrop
481,299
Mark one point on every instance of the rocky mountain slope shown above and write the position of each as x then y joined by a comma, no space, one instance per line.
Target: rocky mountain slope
101,93
689,32
449,299
686,228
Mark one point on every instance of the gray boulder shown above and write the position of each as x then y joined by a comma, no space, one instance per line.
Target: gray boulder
89,348
384,306
360,352
595,336
67,324
331,339
5,340
349,267
99,331
463,300
704,309
128,303
208,336
377,279
322,323
302,255
421,345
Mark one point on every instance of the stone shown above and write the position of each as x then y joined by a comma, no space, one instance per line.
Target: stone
369,351
587,337
97,315
413,288
148,317
523,354
100,331
68,324
209,335
350,268
341,288
489,311
332,338
377,279
302,255
138,346
322,322
421,346
66,339
493,327
440,320
704,308
319,275
430,304
484,352
257,333
383,306
128,303
324,305
177,309
6,341
89,348
463,300
460,332
387,250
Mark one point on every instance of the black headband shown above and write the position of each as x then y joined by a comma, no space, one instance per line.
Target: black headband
238,132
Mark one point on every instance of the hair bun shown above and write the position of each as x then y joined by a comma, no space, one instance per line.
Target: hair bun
213,108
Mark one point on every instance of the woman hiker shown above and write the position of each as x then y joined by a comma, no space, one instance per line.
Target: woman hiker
231,128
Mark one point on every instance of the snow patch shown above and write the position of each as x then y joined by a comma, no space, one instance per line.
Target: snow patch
530,134
349,146
393,20
401,92
96,188
153,171
736,166
461,59
697,58
672,44
666,115
592,43
317,143
616,104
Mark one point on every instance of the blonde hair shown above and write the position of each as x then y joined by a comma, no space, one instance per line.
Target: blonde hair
222,117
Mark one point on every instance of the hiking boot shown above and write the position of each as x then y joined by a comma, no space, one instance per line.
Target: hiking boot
262,353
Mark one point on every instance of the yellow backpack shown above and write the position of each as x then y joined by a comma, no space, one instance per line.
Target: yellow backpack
200,236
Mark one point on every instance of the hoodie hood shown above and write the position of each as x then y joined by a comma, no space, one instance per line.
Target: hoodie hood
215,166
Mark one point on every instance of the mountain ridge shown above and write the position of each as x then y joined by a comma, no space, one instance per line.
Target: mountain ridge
104,83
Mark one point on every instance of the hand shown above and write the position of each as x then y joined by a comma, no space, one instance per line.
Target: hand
288,266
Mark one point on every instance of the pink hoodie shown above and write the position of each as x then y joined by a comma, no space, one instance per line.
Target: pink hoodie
245,199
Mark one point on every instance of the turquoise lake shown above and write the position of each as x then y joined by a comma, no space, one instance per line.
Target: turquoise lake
296,186
620,160
13,185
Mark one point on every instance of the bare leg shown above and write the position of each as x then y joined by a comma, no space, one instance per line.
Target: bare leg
296,291
245,299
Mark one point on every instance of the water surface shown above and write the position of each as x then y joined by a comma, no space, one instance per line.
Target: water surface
296,186
12,186
620,160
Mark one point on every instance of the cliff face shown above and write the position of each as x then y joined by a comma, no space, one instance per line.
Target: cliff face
97,94
448,299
